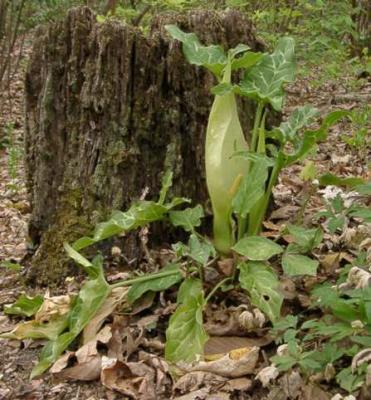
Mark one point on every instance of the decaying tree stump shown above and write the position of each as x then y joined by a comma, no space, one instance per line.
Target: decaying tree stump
108,109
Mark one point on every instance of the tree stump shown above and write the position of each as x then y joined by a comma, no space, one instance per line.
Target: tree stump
108,109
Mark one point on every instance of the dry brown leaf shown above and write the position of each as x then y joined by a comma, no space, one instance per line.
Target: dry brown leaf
62,362
240,384
195,380
331,261
88,371
116,297
287,288
135,380
200,394
292,384
359,278
115,345
143,303
226,266
284,212
149,321
235,364
314,392
53,307
161,367
251,320
5,324
364,356
217,346
224,321
267,375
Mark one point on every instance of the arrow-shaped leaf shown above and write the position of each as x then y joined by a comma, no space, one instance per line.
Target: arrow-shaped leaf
265,80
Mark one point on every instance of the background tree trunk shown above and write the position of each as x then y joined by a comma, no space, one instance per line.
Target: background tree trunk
107,111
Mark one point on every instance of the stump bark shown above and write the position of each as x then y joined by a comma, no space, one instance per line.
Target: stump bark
108,109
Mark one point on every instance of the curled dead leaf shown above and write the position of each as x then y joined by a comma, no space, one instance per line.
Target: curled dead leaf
217,346
364,356
195,380
359,278
135,380
267,375
53,307
226,266
235,364
250,320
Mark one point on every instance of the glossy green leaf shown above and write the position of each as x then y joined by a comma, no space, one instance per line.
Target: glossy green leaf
200,250
247,60
257,248
263,287
255,157
362,213
252,188
297,264
139,214
188,219
24,305
211,57
298,119
189,287
306,238
349,381
239,49
156,284
90,298
309,171
330,179
336,223
265,80
304,143
185,335
364,189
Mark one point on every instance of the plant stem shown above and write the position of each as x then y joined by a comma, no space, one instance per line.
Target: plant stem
130,282
261,142
255,228
242,224
215,288
255,130
259,120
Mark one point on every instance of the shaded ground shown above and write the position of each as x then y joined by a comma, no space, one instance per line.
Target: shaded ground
18,358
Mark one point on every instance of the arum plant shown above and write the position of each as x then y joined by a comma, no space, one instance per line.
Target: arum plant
241,174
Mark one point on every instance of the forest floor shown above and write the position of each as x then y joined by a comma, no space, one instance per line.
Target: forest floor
335,156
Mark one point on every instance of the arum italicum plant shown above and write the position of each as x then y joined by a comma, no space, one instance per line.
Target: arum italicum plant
240,175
